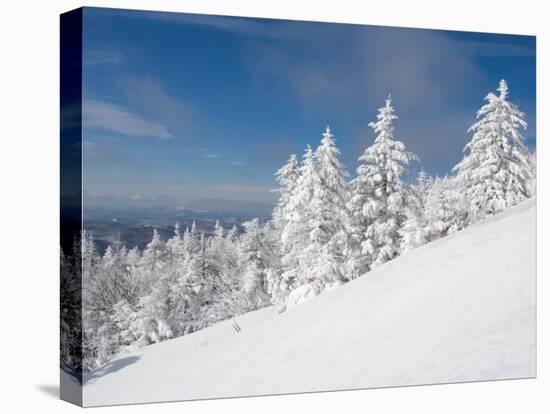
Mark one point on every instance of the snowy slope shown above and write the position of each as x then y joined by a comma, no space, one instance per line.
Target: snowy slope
458,309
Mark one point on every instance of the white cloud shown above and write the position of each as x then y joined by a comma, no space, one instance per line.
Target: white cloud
212,156
115,118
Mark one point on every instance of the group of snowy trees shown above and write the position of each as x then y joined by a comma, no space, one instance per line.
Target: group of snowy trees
325,230
132,298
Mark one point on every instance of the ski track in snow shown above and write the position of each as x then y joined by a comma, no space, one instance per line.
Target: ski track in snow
458,309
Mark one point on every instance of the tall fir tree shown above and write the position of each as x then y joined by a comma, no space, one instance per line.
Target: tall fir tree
331,213
313,239
153,259
498,170
379,197
300,218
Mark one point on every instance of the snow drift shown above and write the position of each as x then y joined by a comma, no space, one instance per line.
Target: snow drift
458,309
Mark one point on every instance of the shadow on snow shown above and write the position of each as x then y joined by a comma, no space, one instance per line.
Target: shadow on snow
109,368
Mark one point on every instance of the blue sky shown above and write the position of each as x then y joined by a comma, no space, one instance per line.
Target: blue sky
199,111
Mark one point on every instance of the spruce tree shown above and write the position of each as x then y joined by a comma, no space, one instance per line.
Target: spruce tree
328,237
313,238
295,236
379,197
498,169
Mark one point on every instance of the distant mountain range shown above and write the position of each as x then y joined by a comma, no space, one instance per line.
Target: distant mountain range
134,226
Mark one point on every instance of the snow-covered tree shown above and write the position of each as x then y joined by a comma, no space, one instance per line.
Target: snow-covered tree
254,269
175,248
299,224
498,169
71,305
195,284
153,259
424,182
155,312
379,197
161,310
129,329
287,177
230,271
445,208
413,231
331,219
314,236
331,197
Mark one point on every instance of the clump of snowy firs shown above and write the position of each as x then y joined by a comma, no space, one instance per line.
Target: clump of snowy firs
325,231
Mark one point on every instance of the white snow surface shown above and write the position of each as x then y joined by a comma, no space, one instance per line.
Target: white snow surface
458,309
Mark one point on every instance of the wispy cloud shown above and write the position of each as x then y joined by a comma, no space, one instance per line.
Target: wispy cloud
242,189
238,163
363,64
211,156
115,118
100,57
491,49
152,97
133,199
234,24
100,149
224,194
347,75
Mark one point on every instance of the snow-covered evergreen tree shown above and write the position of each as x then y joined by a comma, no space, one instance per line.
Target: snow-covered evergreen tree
175,247
498,169
154,312
71,325
153,259
254,269
195,285
230,272
424,182
287,177
379,197
314,237
129,330
331,200
445,208
413,231
299,225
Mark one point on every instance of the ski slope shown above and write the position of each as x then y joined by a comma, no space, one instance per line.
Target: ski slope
458,309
